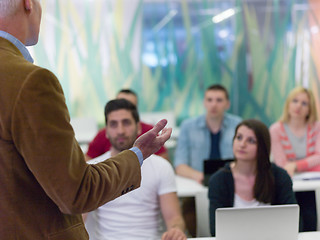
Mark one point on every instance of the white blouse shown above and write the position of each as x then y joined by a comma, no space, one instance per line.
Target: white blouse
241,203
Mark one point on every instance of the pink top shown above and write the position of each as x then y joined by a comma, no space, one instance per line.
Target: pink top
282,151
101,144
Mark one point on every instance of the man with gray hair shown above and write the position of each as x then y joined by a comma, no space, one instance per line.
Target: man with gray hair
45,182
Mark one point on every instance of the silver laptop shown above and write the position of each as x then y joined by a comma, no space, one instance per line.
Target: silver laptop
277,222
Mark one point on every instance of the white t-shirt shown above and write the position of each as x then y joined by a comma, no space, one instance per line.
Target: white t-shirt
137,214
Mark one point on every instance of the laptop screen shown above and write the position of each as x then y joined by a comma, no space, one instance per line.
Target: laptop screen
210,166
277,222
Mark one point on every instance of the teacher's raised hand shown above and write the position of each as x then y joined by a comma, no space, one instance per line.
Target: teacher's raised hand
152,141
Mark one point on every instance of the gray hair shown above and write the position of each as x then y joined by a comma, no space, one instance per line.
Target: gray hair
8,7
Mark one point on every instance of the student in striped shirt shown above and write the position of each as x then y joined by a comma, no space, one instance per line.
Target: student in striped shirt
295,145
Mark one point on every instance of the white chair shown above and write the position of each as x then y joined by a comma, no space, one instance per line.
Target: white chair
202,213
153,117
85,129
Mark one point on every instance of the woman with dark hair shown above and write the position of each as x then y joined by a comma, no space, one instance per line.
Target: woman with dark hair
251,179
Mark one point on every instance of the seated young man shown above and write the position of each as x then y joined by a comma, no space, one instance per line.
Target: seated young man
208,136
101,144
137,214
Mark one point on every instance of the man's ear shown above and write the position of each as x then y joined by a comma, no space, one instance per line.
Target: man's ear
27,5
106,133
139,128
227,106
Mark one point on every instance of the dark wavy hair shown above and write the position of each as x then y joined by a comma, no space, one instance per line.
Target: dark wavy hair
218,87
264,184
118,104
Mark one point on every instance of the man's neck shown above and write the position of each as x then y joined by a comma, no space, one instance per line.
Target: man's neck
16,26
113,151
214,124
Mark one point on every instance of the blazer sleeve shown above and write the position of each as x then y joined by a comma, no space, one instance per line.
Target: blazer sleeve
44,138
277,150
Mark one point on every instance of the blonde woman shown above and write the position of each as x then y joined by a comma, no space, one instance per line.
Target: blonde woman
295,139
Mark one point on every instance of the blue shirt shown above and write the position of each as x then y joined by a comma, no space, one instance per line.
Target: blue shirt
215,140
22,48
194,142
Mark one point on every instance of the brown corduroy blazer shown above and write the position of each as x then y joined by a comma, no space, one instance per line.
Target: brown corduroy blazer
45,183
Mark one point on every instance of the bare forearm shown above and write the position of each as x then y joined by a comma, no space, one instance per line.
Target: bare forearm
171,213
188,172
177,222
175,230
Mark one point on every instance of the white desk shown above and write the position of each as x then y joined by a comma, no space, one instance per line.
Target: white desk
302,236
189,188
310,185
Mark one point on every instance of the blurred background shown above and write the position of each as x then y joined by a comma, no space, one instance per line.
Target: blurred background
170,51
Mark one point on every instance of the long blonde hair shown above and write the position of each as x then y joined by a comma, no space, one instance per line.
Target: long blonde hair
312,116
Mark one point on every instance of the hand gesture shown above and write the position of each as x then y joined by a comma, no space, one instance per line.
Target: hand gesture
151,141
174,234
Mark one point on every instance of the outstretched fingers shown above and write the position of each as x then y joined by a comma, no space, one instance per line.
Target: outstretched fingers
152,141
159,126
165,134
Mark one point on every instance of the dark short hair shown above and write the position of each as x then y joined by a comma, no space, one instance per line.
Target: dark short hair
264,185
218,87
118,104
128,91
